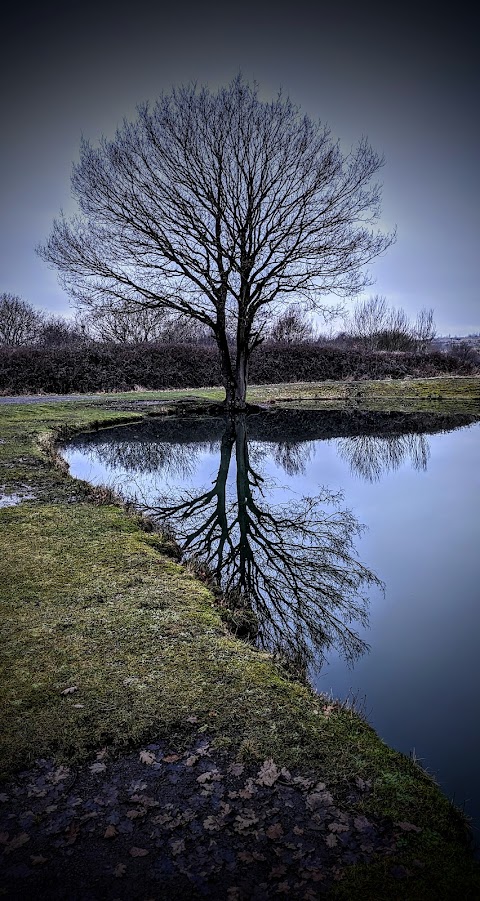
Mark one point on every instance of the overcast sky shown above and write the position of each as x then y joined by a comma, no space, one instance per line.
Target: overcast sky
409,84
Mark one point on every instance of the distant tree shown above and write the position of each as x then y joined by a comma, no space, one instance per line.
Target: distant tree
369,317
376,326
56,331
20,323
123,326
425,330
139,326
218,206
292,325
464,352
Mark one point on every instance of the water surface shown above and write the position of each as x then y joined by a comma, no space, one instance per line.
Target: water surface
388,615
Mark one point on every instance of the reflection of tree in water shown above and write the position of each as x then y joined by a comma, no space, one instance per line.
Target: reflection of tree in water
146,456
292,564
291,456
370,456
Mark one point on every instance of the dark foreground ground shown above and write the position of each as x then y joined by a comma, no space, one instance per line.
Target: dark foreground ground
171,824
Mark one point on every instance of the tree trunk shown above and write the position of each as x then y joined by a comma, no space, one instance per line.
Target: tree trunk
241,379
228,378
234,381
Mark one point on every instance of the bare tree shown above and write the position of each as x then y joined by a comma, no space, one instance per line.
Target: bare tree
425,330
292,325
56,331
123,326
368,318
20,323
219,207
377,326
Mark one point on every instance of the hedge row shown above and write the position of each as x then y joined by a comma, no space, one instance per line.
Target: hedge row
87,368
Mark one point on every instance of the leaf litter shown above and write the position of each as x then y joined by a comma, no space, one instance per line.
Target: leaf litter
191,822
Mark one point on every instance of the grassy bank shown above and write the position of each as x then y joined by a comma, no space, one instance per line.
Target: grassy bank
108,641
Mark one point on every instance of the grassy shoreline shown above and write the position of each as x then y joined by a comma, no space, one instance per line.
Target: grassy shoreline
93,602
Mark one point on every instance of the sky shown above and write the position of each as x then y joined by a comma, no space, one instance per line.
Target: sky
409,83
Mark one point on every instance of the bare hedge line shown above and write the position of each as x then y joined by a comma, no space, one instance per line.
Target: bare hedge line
107,367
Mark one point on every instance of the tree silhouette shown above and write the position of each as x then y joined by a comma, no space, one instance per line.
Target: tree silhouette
222,208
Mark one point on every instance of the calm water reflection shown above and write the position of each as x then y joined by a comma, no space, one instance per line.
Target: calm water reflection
274,507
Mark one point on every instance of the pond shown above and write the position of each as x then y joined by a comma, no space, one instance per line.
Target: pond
347,542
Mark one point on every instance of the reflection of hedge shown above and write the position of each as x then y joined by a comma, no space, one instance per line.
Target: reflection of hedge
100,367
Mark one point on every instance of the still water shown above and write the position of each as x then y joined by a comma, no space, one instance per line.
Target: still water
387,615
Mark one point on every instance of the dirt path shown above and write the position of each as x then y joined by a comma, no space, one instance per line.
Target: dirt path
49,398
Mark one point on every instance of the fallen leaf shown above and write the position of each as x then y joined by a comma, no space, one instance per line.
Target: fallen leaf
283,888
147,757
213,824
192,719
361,823
79,706
145,800
268,773
161,819
37,859
136,813
178,846
97,767
69,691
303,783
120,870
73,831
137,786
203,751
171,758
4,797
191,760
408,827
101,754
331,840
277,871
362,784
21,839
236,769
315,874
317,800
297,830
338,827
58,775
138,852
367,847
275,831
110,832
245,820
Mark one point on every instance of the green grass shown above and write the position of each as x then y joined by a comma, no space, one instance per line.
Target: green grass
92,601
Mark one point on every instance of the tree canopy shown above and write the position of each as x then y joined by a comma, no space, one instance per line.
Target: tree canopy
221,207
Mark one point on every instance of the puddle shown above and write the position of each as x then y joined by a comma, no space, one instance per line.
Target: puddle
11,500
